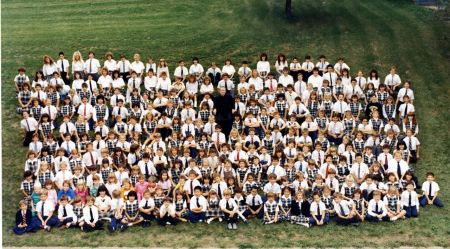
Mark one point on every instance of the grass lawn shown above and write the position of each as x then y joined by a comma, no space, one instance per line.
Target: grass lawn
369,34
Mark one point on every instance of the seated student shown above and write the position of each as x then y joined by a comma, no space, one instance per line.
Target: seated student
376,210
167,214
271,209
319,216
230,208
197,206
430,192
90,217
146,207
300,210
393,205
66,216
254,204
345,211
45,209
23,219
131,211
272,186
410,201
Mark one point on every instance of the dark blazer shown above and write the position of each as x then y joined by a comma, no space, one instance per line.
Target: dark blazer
295,210
28,216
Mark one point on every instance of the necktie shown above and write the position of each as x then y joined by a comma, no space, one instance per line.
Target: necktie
298,109
376,207
64,212
146,204
84,112
67,147
62,66
90,66
326,172
92,159
331,80
218,190
430,190
42,208
90,86
237,156
319,161
67,128
410,199
181,69
101,132
406,110
351,158
254,201
91,214
24,218
331,181
290,152
359,82
318,209
273,170
410,144
399,170
118,111
134,83
385,161
228,205
342,209
192,187
271,85
359,170
198,202
28,125
147,173
123,65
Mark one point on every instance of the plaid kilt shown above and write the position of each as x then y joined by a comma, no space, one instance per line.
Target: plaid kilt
298,219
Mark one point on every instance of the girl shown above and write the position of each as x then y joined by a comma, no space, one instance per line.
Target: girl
373,78
180,206
300,210
49,67
285,204
82,191
348,188
393,204
327,199
126,188
103,202
206,87
131,211
213,212
360,205
241,172
263,66
163,67
271,209
112,184
164,183
141,187
44,174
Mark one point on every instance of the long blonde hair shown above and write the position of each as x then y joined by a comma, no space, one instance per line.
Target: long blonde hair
75,55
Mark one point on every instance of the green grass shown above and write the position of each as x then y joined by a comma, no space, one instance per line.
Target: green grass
369,34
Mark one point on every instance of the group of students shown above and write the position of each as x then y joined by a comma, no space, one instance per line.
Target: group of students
126,145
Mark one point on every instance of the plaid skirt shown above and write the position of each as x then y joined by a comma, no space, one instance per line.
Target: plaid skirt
214,212
299,219
283,217
271,217
126,219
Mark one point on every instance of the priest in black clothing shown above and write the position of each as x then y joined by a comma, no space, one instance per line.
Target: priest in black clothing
373,105
223,105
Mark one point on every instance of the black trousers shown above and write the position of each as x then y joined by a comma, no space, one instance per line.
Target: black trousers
28,138
172,220
88,228
231,219
64,78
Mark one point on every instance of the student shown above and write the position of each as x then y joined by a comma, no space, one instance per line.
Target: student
45,208
24,222
345,213
254,204
410,201
63,68
66,215
131,211
230,208
319,216
198,205
393,204
90,220
29,126
167,215
376,210
271,209
92,66
430,192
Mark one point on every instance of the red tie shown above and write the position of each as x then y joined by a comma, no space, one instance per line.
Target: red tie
270,85
218,143
319,158
237,156
326,172
84,113
385,160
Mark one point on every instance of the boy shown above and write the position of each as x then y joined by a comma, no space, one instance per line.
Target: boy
345,214
167,214
198,205
23,219
430,192
230,208
410,201
146,207
66,216
45,209
376,210
254,204
90,221
319,216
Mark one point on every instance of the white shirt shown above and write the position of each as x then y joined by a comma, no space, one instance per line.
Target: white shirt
285,80
110,65
60,63
87,214
375,207
29,124
49,207
405,199
137,66
313,208
150,203
91,65
343,207
181,72
359,169
340,107
331,77
263,66
196,69
274,188
231,204
434,188
69,212
392,80
121,65
315,80
249,200
413,141
393,164
201,201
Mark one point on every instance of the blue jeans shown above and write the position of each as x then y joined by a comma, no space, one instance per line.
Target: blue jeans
437,202
411,211
312,221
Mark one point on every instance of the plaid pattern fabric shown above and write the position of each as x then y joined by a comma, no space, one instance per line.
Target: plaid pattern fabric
100,111
255,110
179,205
376,124
313,107
75,162
174,143
170,112
175,175
135,100
328,201
265,120
286,203
354,108
82,145
248,186
409,126
299,219
238,126
120,127
405,154
150,125
93,100
32,165
46,128
348,126
24,96
241,172
359,145
382,97
214,209
36,112
204,115
290,174
85,94
348,191
51,147
206,172
369,159
339,89
158,201
204,145
48,159
255,169
206,188
321,122
132,208
81,128
42,177
389,109
342,171
75,179
392,202
105,173
327,107
78,212
271,209
175,100
28,187
243,98
312,173
53,96
393,184
67,110
268,143
253,95
134,179
281,107
197,133
358,204
176,128
324,143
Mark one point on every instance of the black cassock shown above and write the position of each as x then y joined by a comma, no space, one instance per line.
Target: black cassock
224,116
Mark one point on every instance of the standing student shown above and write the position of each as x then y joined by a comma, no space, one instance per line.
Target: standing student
181,71
21,79
230,208
92,66
49,67
392,80
410,201
430,190
63,68
29,126
23,219
197,206
90,218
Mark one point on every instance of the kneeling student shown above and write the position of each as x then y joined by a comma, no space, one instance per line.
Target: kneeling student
230,208
345,211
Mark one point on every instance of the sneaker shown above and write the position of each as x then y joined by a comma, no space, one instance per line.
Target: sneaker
394,218
200,221
209,220
167,223
234,226
220,219
305,225
130,224
67,225
230,226
47,228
